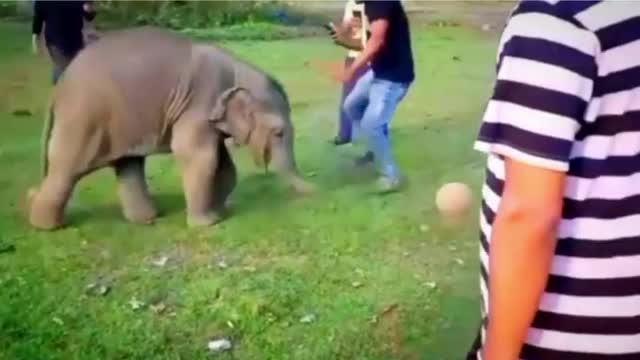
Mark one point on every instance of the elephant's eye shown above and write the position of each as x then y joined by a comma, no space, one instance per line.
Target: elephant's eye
279,133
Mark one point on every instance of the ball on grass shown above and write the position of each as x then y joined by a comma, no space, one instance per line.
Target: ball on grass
453,199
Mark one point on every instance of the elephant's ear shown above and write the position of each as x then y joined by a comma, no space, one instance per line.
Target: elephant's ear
233,114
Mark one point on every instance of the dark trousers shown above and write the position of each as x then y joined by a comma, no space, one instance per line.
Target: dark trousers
60,59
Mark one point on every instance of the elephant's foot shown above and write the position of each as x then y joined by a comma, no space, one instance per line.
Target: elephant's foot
206,219
43,216
144,214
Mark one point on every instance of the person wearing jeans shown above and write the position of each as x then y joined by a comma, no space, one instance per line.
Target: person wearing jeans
376,95
353,35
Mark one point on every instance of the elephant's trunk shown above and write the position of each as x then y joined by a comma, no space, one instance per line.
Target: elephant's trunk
284,163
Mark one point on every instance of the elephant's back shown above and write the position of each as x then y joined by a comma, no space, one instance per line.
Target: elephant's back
123,81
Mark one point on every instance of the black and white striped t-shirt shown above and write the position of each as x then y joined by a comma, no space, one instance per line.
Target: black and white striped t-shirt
567,98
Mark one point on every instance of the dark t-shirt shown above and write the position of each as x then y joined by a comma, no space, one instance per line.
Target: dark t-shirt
395,60
63,21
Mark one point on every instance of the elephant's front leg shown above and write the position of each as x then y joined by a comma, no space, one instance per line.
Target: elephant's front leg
137,205
195,148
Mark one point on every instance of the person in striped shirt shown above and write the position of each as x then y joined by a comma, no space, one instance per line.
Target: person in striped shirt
560,216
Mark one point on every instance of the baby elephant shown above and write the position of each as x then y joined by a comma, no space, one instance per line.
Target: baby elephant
145,91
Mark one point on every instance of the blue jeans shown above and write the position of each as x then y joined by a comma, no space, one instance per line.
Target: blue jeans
346,126
371,106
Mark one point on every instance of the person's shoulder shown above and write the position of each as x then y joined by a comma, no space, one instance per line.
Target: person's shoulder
568,10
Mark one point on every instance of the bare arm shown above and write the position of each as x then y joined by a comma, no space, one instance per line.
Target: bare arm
522,248
343,37
375,43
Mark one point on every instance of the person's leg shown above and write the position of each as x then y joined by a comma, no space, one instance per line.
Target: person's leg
344,127
383,102
60,61
357,100
355,105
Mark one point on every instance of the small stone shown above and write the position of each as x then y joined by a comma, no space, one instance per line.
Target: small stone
161,262
308,319
356,284
219,345
98,289
136,304
222,264
431,284
424,228
486,27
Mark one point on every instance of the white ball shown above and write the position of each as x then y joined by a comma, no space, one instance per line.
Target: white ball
454,199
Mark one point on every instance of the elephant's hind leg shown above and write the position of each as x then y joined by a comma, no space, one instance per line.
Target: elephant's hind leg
137,205
48,203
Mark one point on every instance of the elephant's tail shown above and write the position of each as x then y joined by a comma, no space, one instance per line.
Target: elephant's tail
46,135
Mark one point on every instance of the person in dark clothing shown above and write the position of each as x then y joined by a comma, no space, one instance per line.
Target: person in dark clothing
374,99
63,22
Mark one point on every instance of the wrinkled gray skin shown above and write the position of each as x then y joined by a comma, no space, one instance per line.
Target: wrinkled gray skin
145,91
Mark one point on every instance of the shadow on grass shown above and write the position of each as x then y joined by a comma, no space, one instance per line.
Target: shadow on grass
257,192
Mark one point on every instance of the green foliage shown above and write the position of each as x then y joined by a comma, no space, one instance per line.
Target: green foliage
201,14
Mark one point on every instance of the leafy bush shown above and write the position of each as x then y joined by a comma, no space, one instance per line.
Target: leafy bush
202,14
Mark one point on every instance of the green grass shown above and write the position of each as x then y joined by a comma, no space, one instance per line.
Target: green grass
287,256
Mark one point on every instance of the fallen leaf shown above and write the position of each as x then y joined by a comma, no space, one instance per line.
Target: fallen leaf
388,309
424,228
222,264
308,319
58,321
356,284
136,304
431,284
158,308
460,262
161,262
